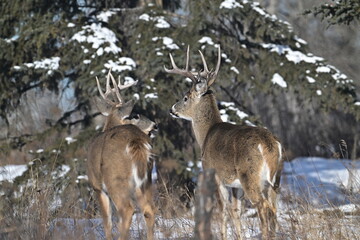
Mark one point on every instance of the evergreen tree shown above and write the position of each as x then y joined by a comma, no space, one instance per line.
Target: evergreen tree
51,53
338,12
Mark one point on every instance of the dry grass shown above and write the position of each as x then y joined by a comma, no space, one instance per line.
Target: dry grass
31,214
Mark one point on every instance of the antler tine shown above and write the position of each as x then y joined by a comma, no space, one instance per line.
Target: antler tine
108,90
215,73
123,86
183,72
206,70
116,90
187,59
218,63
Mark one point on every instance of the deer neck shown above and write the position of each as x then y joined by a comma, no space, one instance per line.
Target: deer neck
111,121
205,117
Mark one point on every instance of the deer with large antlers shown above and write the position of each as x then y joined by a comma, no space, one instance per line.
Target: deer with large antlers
246,158
119,162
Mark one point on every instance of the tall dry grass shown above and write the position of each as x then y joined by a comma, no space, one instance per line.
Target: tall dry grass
37,210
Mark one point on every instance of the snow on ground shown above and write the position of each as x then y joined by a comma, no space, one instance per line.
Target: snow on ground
323,184
10,172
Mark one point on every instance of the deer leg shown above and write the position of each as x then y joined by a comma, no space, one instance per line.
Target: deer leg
256,195
272,211
236,209
147,208
105,210
125,211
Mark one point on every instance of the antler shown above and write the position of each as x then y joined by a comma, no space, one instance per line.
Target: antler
115,90
209,75
183,72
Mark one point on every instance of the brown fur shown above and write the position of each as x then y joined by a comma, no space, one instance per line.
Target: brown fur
251,155
110,159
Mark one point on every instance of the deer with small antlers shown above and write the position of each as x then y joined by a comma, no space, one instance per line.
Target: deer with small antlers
119,162
246,158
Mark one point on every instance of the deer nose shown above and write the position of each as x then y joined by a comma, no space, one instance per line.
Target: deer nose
156,127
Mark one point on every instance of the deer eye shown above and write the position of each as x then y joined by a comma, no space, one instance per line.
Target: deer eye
185,99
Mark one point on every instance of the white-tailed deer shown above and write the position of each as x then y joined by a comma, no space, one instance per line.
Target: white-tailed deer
246,158
119,163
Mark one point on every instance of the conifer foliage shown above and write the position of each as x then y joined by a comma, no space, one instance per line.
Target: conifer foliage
51,52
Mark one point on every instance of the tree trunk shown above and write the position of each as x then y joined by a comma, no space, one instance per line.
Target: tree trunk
205,202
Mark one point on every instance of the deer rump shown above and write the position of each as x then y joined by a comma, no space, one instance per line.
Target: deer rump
248,150
123,159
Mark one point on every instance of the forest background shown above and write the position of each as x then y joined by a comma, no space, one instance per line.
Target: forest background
282,68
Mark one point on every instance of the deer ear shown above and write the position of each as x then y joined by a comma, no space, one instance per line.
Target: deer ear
201,87
102,106
126,109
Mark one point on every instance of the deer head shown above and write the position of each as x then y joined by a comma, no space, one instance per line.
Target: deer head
116,111
201,82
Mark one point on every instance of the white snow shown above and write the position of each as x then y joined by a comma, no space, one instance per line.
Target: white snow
230,106
279,80
160,21
206,40
310,79
323,69
46,63
70,140
357,103
145,17
319,92
320,181
98,36
291,55
64,169
122,64
151,95
229,4
234,69
40,150
10,172
168,42
105,15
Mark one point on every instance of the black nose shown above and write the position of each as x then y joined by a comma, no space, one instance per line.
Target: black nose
155,127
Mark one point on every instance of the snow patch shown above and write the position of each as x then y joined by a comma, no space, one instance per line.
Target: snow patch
71,25
98,36
323,69
122,64
151,95
279,80
70,140
231,106
230,4
10,172
206,40
46,63
168,42
105,15
310,79
160,21
234,69
291,55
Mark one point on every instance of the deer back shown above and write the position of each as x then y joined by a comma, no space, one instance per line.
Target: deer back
233,150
